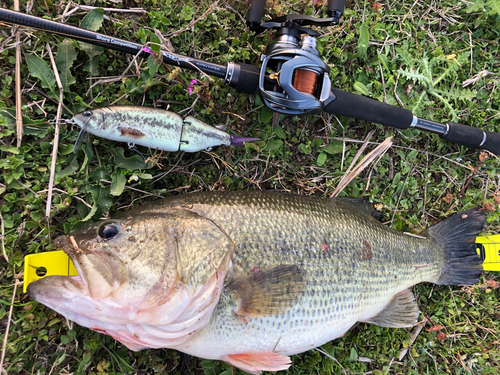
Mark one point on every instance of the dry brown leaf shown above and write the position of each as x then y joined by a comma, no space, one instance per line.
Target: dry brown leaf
435,328
441,336
318,3
489,206
492,283
483,156
448,198
496,197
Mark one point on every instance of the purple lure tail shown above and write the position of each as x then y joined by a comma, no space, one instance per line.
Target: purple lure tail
238,141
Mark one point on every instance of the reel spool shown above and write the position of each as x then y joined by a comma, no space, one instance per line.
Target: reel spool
297,79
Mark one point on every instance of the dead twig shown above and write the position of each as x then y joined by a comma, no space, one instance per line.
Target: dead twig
377,153
193,22
19,114
56,135
3,242
6,334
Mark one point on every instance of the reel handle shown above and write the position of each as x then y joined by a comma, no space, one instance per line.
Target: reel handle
347,104
254,14
336,10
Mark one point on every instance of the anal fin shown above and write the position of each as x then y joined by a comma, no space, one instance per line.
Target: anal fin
256,362
401,311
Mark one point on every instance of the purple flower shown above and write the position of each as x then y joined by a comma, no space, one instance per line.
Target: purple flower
193,82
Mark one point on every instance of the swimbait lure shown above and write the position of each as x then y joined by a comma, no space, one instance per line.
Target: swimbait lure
154,128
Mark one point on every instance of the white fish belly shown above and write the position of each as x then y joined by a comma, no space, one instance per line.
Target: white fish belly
311,323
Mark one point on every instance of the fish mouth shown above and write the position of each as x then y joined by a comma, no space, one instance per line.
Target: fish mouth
95,274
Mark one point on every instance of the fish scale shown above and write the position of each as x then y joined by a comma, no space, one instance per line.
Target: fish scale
252,277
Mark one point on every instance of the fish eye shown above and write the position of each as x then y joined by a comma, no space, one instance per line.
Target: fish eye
108,230
87,113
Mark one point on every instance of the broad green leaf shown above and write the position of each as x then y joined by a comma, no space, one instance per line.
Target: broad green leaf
93,63
280,133
384,61
39,69
364,38
145,176
100,173
69,170
305,148
66,55
155,42
361,88
65,149
65,340
102,201
274,145
93,20
321,159
265,115
131,163
118,182
396,179
333,148
7,117
152,66
354,355
10,148
412,155
89,155
91,213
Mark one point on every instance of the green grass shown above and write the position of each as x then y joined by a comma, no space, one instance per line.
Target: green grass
419,54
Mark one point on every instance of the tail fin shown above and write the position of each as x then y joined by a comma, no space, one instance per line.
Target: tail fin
457,235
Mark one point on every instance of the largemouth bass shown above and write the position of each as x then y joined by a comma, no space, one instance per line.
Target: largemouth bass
252,277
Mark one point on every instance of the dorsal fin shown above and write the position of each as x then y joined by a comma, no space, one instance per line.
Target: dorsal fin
269,292
401,312
362,205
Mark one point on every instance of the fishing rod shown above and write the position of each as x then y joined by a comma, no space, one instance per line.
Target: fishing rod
293,79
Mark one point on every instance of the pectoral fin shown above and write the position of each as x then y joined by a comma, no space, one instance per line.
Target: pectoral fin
269,292
401,312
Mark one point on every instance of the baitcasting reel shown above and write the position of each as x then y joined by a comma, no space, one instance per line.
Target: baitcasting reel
293,78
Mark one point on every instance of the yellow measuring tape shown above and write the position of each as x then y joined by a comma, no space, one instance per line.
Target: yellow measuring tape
488,248
51,263
40,265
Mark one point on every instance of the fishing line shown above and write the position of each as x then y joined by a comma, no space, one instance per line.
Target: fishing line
131,147
305,81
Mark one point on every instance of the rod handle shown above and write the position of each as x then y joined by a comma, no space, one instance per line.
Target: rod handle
363,108
473,137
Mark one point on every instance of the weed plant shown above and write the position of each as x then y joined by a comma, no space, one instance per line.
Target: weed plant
439,58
